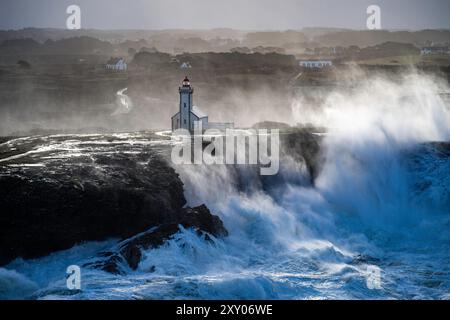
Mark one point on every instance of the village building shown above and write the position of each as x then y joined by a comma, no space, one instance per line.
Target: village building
435,50
116,64
185,65
315,64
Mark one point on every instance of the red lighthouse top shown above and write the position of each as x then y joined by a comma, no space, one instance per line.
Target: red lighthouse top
186,82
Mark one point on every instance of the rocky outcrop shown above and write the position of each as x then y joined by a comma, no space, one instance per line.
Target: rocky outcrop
59,191
304,146
129,251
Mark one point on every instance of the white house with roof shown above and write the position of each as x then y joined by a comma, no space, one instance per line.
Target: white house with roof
116,64
185,65
434,50
313,64
189,114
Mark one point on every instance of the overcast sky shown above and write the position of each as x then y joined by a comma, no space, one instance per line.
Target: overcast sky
238,14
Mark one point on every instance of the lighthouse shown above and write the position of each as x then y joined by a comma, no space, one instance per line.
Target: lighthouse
188,114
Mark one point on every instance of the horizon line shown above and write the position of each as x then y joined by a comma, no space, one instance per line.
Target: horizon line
231,29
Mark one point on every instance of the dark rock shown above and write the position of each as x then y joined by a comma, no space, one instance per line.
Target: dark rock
132,255
365,259
202,219
304,146
112,264
111,189
199,218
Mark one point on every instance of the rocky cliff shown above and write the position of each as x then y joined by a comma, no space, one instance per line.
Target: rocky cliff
62,190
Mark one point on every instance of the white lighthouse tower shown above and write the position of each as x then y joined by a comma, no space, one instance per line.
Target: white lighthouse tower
188,114
186,103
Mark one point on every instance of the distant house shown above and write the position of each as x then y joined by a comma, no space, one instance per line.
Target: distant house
185,65
116,64
434,50
315,64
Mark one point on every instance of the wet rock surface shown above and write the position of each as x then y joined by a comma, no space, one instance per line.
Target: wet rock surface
59,191
128,253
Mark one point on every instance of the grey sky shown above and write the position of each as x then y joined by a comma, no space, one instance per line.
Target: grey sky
238,14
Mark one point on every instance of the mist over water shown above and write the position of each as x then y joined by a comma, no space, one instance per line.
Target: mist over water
381,198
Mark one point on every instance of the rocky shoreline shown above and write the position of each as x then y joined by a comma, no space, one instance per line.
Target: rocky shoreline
60,191
128,253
